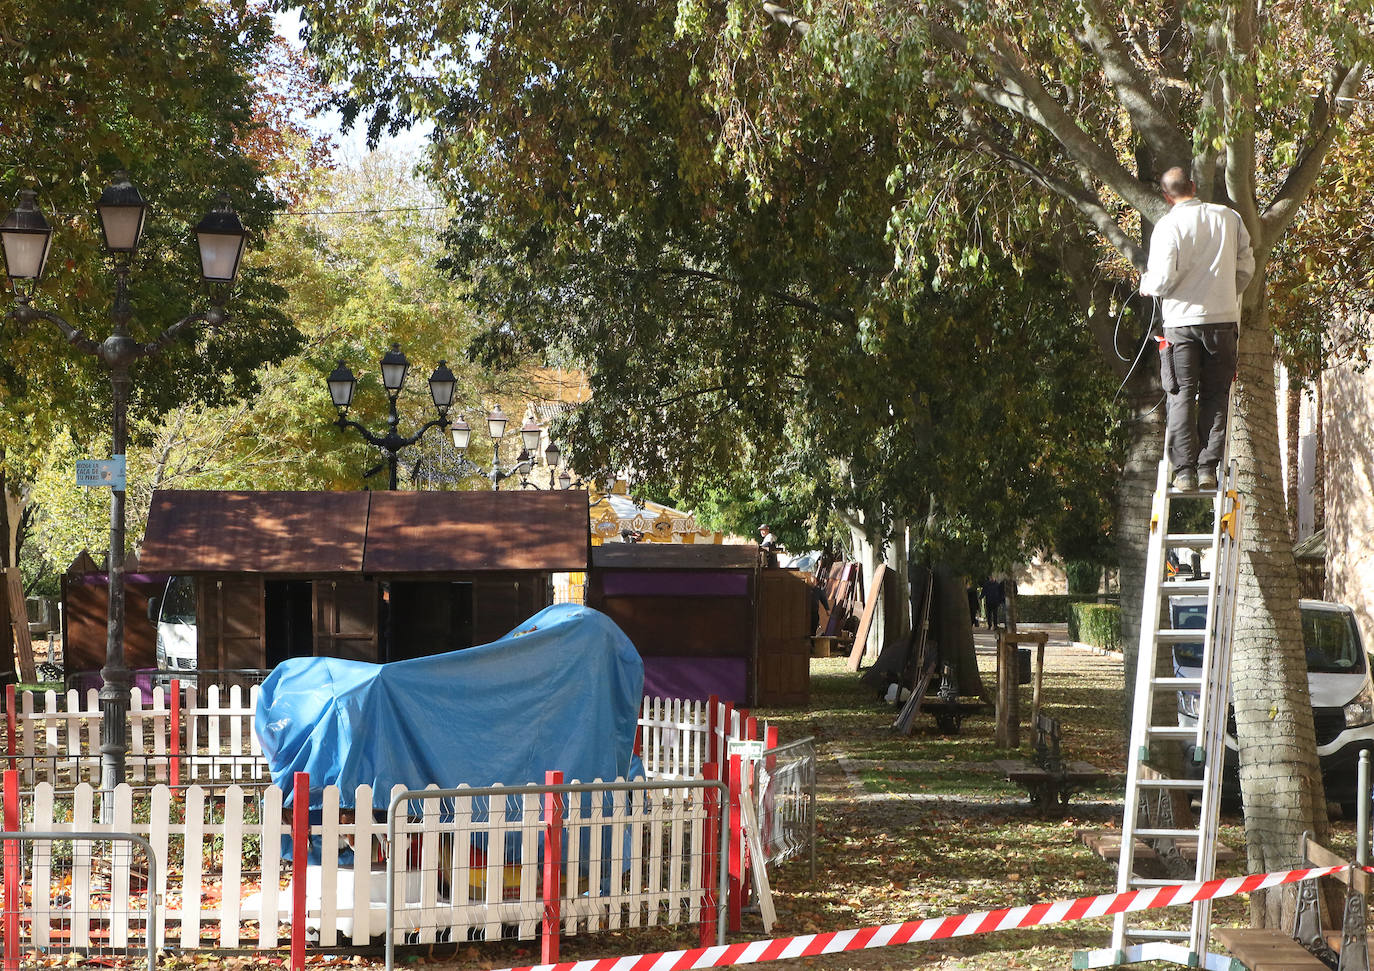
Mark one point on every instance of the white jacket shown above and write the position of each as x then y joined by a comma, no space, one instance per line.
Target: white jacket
1200,261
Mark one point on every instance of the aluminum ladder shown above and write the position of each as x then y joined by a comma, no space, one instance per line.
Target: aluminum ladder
1153,780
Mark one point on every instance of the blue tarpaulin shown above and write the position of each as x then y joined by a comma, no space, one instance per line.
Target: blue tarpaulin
560,692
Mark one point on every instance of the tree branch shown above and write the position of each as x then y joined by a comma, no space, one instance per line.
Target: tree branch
1345,82
1149,115
1026,95
1080,196
841,316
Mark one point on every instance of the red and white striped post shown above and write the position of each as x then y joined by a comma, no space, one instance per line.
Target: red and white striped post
553,870
12,888
736,848
174,743
11,726
710,857
300,856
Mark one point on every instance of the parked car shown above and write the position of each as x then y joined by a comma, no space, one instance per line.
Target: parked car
175,613
1338,678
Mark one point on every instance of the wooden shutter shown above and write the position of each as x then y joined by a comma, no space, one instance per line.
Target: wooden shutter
784,618
346,619
496,608
230,623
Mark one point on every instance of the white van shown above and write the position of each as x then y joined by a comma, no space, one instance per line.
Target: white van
1338,678
176,625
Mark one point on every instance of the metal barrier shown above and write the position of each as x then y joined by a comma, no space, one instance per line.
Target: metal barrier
51,893
624,854
786,799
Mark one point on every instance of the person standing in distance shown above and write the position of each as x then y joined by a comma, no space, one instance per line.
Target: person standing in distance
1200,262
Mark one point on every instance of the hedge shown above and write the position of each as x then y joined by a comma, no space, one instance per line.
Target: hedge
1053,608
1096,624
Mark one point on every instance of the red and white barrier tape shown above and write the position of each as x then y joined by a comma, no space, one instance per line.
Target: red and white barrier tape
938,928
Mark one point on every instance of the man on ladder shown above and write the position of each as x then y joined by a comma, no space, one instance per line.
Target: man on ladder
1200,261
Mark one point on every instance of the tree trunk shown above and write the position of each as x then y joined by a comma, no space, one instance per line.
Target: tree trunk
1279,775
1292,412
1134,496
1319,465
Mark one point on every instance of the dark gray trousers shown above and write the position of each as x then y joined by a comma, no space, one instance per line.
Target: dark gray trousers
1197,367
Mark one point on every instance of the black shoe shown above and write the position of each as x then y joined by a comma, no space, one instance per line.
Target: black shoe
1187,481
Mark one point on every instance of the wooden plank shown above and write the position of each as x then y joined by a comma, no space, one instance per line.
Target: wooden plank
866,621
19,623
1319,855
1267,949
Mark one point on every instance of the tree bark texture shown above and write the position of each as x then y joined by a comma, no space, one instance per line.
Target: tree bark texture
1134,496
1292,412
1279,774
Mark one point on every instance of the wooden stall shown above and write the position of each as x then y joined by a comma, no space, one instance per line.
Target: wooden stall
707,620
374,576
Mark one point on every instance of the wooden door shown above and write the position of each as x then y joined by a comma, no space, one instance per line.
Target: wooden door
346,619
784,618
497,606
230,623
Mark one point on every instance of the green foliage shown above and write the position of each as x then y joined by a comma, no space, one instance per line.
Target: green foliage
1098,624
1083,576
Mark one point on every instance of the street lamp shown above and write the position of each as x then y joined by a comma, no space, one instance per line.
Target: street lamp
395,367
27,239
530,434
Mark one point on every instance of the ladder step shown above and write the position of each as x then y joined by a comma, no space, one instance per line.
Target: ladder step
1169,783
1140,883
1185,586
1188,539
1157,934
1180,732
1179,635
1192,493
1173,834
1168,683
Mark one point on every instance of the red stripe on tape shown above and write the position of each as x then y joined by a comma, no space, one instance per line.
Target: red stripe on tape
959,926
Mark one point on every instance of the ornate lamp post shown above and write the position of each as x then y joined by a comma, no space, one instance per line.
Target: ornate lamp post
530,434
27,238
395,367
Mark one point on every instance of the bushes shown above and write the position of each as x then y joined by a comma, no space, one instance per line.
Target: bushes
1096,624
1051,608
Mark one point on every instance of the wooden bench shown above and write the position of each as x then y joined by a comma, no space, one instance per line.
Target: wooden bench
1047,777
1308,947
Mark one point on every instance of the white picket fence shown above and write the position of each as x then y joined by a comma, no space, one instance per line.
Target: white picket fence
59,740
633,860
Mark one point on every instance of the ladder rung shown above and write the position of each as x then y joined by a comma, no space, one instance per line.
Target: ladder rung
1166,834
1157,934
1137,882
1188,539
1185,586
1181,732
1179,635
1177,682
1169,783
1192,493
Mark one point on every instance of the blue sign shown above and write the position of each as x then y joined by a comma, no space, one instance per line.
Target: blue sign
101,473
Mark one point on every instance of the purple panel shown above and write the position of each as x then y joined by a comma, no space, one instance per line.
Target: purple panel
103,579
696,678
696,583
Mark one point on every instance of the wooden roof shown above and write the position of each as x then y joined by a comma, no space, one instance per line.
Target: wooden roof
676,556
460,532
313,533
